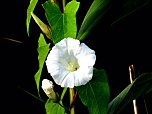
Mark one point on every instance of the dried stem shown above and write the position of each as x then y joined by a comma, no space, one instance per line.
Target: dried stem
131,73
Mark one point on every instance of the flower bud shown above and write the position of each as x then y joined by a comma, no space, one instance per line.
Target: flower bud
45,29
47,87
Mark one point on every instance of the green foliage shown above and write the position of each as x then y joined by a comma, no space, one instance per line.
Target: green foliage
62,24
43,49
95,94
70,29
30,9
141,85
53,108
99,8
96,11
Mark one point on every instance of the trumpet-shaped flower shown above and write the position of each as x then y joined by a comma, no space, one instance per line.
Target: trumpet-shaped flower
70,63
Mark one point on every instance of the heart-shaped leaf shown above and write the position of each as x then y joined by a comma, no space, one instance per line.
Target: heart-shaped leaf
95,94
62,25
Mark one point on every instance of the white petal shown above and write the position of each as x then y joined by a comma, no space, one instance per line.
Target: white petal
86,56
66,52
58,73
57,54
60,77
83,75
73,45
68,81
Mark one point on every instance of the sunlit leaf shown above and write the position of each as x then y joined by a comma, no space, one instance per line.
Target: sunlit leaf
95,94
30,9
43,49
62,24
96,11
53,108
140,86
70,30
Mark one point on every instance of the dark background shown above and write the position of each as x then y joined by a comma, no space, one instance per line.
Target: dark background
127,42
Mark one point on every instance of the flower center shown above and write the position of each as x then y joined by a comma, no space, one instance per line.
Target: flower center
72,67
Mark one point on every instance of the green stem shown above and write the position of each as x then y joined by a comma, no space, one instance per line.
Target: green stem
71,91
62,95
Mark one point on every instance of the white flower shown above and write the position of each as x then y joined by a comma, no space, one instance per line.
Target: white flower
71,63
47,87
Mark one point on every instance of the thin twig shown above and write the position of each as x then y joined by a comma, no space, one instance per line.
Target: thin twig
145,106
131,73
16,41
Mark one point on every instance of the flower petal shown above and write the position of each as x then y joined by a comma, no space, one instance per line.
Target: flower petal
68,81
86,56
58,73
83,75
71,63
73,45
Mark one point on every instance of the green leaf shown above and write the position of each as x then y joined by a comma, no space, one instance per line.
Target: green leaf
62,24
30,9
96,11
43,49
41,41
70,28
55,20
95,94
140,86
53,108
